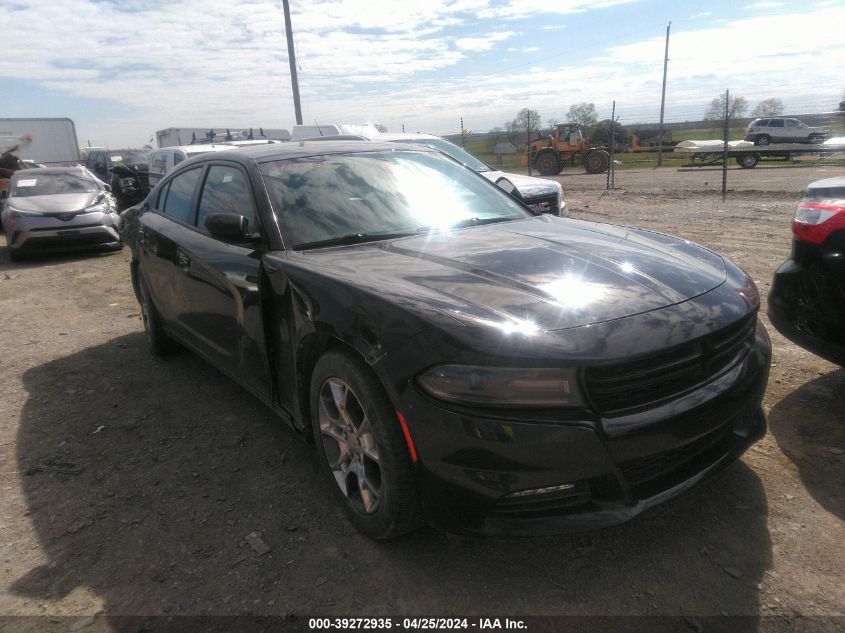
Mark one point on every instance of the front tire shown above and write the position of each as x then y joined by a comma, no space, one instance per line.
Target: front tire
596,161
763,139
361,447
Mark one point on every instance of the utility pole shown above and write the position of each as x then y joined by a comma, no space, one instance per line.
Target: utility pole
462,131
294,82
403,128
725,134
663,99
528,138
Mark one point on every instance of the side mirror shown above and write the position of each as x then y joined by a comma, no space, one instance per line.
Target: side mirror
227,226
508,187
107,188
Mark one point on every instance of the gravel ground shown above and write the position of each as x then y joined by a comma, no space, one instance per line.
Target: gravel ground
139,486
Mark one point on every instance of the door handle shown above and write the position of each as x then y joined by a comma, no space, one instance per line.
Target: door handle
183,260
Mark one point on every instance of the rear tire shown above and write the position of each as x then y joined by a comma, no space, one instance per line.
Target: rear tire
548,164
596,161
159,342
361,447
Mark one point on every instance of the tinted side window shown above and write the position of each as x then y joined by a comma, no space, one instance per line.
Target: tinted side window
762,123
776,123
226,191
162,196
177,204
177,158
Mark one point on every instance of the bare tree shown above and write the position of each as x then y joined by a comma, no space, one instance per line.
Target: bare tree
737,107
583,113
527,121
381,128
768,107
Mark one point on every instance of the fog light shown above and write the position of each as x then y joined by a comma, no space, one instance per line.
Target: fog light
541,491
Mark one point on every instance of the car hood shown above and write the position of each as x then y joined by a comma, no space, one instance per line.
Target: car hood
528,186
55,203
541,273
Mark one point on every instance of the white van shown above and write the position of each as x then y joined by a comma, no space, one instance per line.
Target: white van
165,159
301,132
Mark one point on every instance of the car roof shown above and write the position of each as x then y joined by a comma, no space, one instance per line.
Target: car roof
304,149
78,170
838,181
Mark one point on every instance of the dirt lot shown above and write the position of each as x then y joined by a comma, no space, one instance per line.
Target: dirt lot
129,485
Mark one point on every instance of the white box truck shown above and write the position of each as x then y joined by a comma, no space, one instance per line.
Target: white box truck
47,141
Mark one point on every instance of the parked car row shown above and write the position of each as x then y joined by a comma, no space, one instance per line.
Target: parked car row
457,352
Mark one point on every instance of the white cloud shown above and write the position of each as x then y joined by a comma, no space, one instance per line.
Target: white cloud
483,43
225,63
764,5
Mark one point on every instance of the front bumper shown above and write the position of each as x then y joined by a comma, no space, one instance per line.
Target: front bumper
31,233
471,464
806,305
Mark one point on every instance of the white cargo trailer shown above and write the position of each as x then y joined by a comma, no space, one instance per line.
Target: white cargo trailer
172,136
47,141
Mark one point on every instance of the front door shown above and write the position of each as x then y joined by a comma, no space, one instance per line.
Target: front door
220,312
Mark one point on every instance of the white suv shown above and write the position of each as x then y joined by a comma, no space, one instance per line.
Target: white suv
783,130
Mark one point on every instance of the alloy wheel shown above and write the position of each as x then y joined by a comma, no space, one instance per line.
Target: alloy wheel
350,446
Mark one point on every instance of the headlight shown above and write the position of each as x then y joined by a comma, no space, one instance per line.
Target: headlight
502,386
19,213
99,207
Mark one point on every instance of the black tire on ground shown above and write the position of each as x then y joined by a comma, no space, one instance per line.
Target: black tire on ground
596,161
356,430
815,138
14,254
547,163
763,139
748,161
158,341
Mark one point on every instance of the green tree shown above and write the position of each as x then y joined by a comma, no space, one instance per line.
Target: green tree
768,107
737,107
583,113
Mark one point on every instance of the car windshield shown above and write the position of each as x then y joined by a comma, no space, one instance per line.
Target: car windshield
458,153
379,195
128,157
45,184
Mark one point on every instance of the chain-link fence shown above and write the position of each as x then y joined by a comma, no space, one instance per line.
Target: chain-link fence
784,154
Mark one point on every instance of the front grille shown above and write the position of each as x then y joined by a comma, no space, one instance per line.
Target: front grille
651,379
650,474
543,204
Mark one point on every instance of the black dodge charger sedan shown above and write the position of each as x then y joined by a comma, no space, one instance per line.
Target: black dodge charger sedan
456,358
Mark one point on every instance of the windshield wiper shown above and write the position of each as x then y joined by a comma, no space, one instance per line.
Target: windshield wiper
477,222
352,238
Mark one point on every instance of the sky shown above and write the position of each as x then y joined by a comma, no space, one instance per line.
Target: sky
124,69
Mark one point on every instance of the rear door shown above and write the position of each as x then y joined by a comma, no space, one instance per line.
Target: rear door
161,232
777,130
220,310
